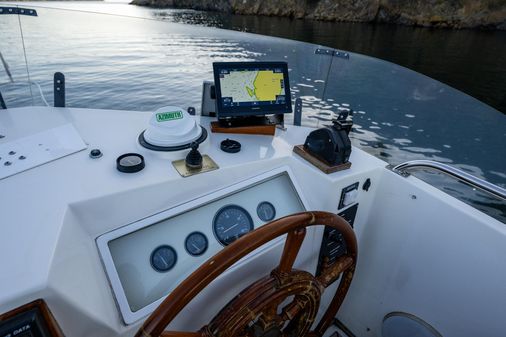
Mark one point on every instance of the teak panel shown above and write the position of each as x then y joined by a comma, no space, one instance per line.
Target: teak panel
324,167
268,130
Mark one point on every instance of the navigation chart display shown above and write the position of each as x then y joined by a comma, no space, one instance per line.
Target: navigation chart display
253,86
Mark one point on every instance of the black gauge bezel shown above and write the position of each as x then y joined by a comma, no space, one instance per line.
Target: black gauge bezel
153,254
224,208
186,246
270,205
130,169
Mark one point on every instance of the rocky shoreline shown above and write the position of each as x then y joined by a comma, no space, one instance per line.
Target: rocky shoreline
486,14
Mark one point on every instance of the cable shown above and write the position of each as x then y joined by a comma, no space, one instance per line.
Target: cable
42,97
24,52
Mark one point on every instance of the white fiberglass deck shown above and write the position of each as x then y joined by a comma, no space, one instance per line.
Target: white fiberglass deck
420,250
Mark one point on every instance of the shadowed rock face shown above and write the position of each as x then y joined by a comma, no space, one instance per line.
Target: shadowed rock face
430,13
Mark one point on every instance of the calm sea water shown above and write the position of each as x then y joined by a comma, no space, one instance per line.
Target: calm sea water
472,61
114,62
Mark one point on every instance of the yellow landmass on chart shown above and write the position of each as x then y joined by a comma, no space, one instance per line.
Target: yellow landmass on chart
251,92
268,85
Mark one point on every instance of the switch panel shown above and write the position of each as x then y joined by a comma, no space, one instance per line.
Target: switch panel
31,151
349,195
349,214
333,245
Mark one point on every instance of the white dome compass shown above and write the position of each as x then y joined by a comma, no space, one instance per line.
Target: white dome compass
172,129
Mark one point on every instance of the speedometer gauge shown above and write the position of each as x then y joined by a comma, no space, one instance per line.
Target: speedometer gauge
230,223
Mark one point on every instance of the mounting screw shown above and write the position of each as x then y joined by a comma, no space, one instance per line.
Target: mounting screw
21,157
2,136
7,163
413,196
12,153
95,154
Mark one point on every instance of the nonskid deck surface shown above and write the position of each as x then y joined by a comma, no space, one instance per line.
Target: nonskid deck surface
412,237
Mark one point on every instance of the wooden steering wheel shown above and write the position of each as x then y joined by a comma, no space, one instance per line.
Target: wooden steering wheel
254,312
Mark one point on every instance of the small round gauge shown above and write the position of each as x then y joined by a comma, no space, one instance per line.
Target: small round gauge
266,211
230,223
196,243
163,258
130,163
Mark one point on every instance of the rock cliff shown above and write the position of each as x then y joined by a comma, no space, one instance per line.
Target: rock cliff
430,13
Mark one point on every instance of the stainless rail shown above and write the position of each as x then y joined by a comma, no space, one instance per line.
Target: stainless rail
454,173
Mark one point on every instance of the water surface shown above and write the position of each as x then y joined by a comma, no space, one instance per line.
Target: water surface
116,62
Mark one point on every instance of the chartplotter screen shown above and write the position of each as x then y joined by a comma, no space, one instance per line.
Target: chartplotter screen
252,88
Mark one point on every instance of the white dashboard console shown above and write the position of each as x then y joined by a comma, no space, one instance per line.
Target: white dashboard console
147,259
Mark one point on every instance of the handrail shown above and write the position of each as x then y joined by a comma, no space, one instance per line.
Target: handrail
452,172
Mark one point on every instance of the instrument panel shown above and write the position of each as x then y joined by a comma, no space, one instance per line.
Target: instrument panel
146,259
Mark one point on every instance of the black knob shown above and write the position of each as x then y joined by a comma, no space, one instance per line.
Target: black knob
95,154
194,158
366,185
230,146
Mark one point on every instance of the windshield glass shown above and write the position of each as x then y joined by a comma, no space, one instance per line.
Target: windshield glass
401,115
142,63
14,77
124,63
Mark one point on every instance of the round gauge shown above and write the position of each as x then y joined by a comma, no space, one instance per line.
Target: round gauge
130,163
230,223
266,211
163,258
196,243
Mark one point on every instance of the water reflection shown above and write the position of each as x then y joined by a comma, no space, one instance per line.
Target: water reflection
127,64
470,60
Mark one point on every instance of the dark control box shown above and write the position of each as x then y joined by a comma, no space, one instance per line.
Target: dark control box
27,324
333,245
30,320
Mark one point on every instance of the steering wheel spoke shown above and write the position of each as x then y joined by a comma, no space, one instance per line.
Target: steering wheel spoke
291,249
292,309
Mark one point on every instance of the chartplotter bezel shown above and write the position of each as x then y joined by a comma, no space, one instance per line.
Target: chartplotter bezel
244,109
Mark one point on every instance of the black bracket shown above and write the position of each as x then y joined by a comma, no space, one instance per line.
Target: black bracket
59,90
18,11
332,52
297,112
278,120
2,102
